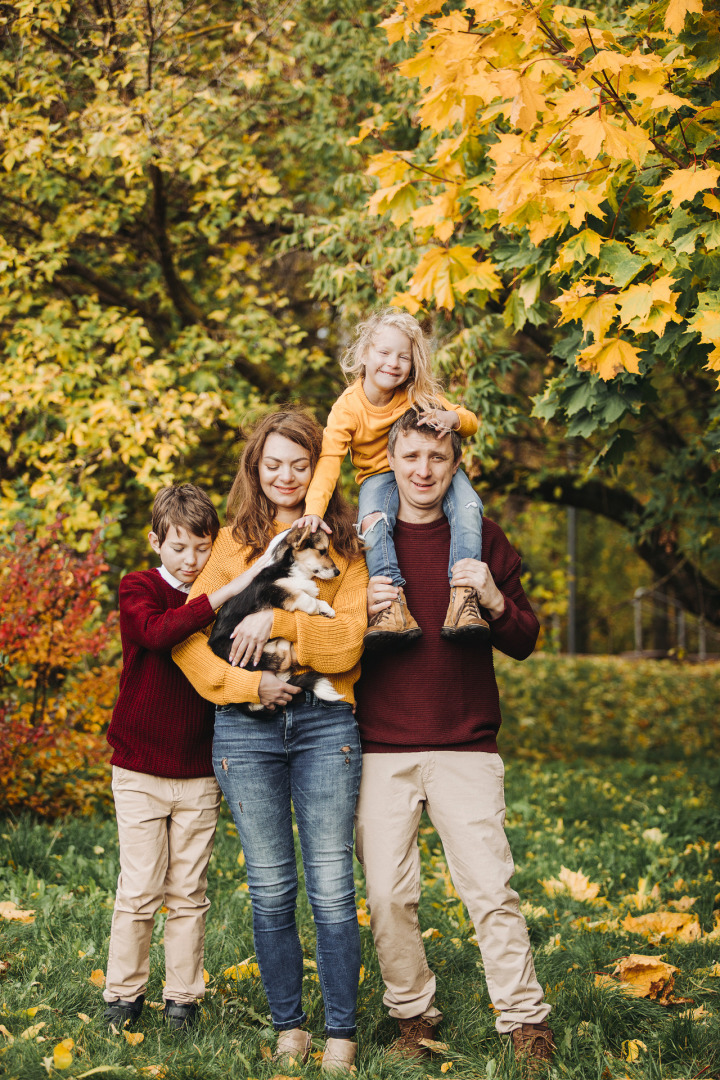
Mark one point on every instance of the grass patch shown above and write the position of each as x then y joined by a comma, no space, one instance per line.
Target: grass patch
634,829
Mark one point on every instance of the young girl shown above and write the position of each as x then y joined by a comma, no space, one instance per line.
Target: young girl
391,365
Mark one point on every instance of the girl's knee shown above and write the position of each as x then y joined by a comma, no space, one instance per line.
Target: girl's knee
368,522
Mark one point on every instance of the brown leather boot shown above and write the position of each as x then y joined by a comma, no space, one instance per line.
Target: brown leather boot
534,1046
393,626
464,619
410,1045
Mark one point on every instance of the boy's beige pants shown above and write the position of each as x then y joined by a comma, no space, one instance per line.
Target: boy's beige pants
166,830
463,794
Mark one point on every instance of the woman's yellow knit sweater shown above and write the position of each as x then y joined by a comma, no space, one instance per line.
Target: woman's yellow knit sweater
331,646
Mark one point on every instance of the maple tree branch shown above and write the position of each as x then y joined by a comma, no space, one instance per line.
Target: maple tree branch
112,292
397,153
187,308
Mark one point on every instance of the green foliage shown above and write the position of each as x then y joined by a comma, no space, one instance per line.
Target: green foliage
562,707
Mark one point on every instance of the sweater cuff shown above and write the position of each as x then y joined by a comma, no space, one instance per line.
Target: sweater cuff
247,690
201,607
507,616
284,625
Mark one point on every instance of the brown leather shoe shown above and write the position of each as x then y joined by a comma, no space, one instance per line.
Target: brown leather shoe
534,1045
464,619
409,1045
393,626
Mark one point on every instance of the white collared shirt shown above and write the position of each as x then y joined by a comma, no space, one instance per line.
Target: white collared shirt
181,586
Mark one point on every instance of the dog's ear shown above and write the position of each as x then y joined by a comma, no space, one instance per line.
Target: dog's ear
298,538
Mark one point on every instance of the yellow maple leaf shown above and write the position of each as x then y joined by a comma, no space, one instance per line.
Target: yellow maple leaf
646,976
608,358
679,926
97,978
631,1049
62,1056
133,1038
573,882
678,10
684,184
707,325
712,203
10,910
403,300
527,103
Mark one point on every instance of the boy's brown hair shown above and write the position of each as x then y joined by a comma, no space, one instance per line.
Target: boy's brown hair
187,506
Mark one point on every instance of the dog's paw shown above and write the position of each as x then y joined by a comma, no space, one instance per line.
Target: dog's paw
325,609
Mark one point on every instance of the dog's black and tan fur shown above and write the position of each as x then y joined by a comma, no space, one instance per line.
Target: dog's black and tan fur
287,582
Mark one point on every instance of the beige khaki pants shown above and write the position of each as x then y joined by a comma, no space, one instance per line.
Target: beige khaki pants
463,794
166,830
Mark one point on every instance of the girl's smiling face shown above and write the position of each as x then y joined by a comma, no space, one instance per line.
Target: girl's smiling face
388,364
284,472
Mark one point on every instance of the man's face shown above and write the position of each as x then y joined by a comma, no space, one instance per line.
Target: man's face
424,467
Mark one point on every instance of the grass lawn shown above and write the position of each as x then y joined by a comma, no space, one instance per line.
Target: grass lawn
645,834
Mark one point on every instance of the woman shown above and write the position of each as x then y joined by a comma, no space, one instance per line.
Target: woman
297,749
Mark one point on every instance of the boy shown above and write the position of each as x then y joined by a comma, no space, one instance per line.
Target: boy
166,796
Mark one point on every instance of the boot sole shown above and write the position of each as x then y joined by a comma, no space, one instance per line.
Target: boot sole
451,633
398,638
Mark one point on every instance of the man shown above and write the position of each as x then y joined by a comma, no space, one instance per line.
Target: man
428,719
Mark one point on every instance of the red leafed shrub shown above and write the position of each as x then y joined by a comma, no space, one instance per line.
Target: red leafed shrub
56,684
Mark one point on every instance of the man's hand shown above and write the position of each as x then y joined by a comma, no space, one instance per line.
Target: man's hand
313,521
273,691
440,420
380,594
477,575
250,637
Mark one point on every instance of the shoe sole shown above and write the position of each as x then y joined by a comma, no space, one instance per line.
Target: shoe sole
451,632
400,638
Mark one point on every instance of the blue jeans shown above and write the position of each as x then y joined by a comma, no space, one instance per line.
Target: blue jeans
462,507
307,754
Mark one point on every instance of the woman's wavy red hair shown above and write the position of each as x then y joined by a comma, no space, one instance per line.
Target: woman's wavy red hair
249,510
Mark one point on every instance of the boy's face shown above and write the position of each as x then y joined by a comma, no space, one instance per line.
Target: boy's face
183,553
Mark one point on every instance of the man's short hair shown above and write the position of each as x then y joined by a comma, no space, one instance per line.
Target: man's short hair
409,421
187,506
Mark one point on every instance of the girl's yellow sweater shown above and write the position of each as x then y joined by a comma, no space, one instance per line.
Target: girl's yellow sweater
330,646
356,425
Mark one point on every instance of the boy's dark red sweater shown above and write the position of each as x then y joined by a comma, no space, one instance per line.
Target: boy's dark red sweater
160,724
438,694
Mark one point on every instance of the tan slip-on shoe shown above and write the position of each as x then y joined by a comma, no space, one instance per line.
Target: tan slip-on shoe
292,1047
338,1056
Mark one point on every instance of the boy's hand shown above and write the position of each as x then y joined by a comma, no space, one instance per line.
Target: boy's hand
313,521
380,594
273,691
440,420
250,638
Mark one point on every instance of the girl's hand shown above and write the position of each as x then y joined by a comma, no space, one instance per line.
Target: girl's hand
273,691
250,637
440,420
313,521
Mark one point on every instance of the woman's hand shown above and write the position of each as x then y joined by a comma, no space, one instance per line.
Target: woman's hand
313,521
250,637
273,691
440,420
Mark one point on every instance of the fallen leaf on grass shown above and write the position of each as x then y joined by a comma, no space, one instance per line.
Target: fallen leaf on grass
244,970
438,1047
97,978
714,971
573,882
684,903
32,1032
62,1056
647,976
4,965
701,1013
133,1037
680,926
154,1070
34,1010
84,1017
431,933
605,980
446,1065
266,1052
363,915
10,910
599,926
631,1049
4,1031
644,896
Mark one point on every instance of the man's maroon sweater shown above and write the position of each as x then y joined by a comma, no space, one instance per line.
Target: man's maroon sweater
160,724
438,694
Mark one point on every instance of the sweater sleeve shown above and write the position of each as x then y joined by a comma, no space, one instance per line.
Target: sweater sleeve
147,623
330,646
468,420
213,678
337,439
516,631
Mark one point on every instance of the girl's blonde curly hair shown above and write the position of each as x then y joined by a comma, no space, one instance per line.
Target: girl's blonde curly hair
422,387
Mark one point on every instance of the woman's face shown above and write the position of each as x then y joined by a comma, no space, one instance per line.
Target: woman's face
285,474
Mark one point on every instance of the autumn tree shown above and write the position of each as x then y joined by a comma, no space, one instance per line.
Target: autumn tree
152,155
554,209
